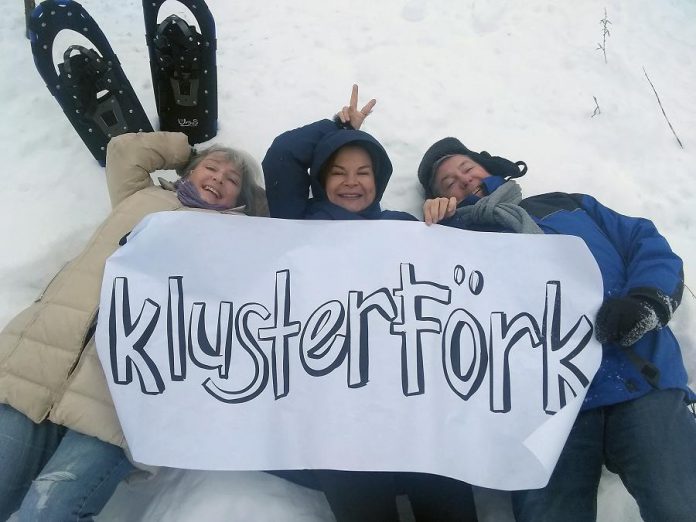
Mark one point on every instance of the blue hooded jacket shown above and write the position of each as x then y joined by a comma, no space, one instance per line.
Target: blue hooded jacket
295,153
634,260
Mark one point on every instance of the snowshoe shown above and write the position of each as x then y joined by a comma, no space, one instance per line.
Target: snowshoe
90,85
184,74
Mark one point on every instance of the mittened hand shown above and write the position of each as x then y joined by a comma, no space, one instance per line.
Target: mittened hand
624,320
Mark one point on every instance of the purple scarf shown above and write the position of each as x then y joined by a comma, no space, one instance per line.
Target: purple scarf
189,196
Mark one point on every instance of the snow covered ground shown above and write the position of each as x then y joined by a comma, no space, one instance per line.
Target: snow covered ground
518,79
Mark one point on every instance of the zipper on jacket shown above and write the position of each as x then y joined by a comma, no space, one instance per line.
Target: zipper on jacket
90,330
45,289
89,333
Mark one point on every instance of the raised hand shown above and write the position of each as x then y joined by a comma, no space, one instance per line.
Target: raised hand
351,115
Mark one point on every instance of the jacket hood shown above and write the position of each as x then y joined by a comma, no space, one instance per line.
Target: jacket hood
330,143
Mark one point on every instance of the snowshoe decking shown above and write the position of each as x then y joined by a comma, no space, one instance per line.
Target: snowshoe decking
184,75
90,85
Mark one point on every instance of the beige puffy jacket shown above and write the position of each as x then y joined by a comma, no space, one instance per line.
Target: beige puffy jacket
48,362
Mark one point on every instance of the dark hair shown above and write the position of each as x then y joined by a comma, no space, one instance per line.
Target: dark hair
251,195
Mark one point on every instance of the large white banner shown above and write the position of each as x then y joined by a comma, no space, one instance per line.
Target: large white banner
245,343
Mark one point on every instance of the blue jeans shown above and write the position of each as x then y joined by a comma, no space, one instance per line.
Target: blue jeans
52,473
649,442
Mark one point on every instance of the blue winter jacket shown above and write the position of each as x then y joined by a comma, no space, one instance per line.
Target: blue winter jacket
294,153
635,260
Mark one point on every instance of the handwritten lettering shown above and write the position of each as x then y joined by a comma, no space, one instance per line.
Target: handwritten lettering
336,335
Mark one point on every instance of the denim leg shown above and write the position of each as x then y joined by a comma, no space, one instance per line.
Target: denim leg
571,494
651,444
77,482
25,447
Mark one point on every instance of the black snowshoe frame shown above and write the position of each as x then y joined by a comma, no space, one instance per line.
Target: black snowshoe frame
184,73
90,85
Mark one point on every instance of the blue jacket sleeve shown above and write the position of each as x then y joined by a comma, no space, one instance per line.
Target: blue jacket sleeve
653,271
286,165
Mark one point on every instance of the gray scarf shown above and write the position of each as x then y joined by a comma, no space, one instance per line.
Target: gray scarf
500,209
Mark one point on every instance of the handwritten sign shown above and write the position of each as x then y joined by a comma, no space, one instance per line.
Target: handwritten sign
246,343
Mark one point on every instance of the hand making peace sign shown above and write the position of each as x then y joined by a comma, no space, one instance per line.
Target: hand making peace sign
350,113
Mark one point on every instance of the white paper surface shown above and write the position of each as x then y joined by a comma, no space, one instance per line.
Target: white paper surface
252,343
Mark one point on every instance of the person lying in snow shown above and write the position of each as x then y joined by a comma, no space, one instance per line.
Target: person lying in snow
348,171
61,453
635,417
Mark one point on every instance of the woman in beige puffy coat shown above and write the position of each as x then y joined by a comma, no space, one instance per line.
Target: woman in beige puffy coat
61,453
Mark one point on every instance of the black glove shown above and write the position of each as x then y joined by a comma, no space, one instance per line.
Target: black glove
625,320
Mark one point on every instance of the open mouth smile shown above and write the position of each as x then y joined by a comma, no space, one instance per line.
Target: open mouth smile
212,190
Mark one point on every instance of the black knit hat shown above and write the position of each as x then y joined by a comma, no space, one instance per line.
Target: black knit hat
494,165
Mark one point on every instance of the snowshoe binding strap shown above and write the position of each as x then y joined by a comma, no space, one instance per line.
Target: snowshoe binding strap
177,47
88,79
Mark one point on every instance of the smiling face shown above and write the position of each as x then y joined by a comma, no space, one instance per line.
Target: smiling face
350,179
459,177
217,180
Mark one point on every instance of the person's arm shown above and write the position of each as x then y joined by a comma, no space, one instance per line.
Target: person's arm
654,276
286,165
287,162
130,158
652,269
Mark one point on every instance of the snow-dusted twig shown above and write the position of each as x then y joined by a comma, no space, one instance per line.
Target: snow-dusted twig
596,109
605,23
662,108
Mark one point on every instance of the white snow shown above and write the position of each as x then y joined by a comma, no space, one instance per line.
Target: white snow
514,78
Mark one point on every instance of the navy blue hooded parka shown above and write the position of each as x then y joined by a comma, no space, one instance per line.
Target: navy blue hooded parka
294,153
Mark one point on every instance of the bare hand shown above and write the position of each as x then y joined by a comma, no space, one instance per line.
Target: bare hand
351,114
437,209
